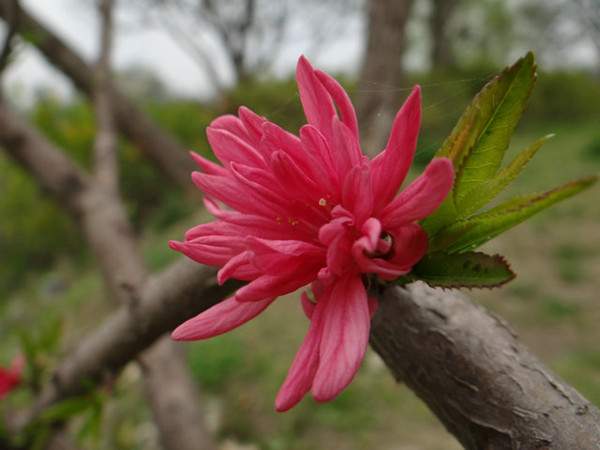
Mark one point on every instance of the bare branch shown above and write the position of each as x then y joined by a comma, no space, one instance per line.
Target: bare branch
105,145
177,294
469,368
168,155
103,218
12,23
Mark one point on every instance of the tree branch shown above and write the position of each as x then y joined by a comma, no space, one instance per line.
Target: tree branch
105,145
168,155
469,368
103,219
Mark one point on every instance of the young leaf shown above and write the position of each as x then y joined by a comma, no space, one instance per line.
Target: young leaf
479,140
470,270
482,194
499,107
470,233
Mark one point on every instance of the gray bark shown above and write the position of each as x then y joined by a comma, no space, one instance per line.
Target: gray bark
476,377
382,74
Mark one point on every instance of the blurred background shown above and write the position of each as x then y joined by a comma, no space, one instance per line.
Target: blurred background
184,62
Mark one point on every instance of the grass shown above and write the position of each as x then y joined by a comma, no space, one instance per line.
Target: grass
552,304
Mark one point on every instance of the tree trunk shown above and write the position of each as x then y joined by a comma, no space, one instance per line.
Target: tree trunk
469,368
441,44
382,76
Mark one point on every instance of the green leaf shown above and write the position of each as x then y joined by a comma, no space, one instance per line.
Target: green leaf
482,194
463,270
470,233
66,409
479,140
498,108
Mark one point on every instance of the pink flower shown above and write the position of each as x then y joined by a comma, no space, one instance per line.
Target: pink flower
311,210
11,377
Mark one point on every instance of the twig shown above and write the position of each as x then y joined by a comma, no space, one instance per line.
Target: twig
169,156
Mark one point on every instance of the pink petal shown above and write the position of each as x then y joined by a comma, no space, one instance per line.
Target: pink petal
346,149
342,101
308,306
410,245
208,166
422,197
391,166
371,229
230,192
219,319
231,148
302,371
293,178
252,123
344,338
357,195
266,286
232,124
204,254
315,99
229,270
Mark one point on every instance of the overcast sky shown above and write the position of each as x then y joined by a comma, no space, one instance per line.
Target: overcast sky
75,21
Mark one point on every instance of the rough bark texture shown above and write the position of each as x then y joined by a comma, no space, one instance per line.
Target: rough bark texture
469,368
169,156
382,75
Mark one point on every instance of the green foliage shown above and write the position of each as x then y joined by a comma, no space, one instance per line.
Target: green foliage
476,147
475,270
472,232
32,229
480,139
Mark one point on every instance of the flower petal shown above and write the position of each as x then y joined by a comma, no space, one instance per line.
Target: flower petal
228,147
317,104
302,371
346,324
208,166
391,166
342,101
422,197
357,195
219,319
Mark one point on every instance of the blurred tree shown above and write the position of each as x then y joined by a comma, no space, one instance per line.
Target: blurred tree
588,14
142,84
382,70
483,33
442,11
245,36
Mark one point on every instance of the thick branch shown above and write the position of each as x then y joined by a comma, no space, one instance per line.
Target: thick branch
469,368
168,155
103,220
180,292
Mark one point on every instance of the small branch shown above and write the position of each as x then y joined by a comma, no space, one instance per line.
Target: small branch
169,156
469,368
177,294
12,22
105,145
103,219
